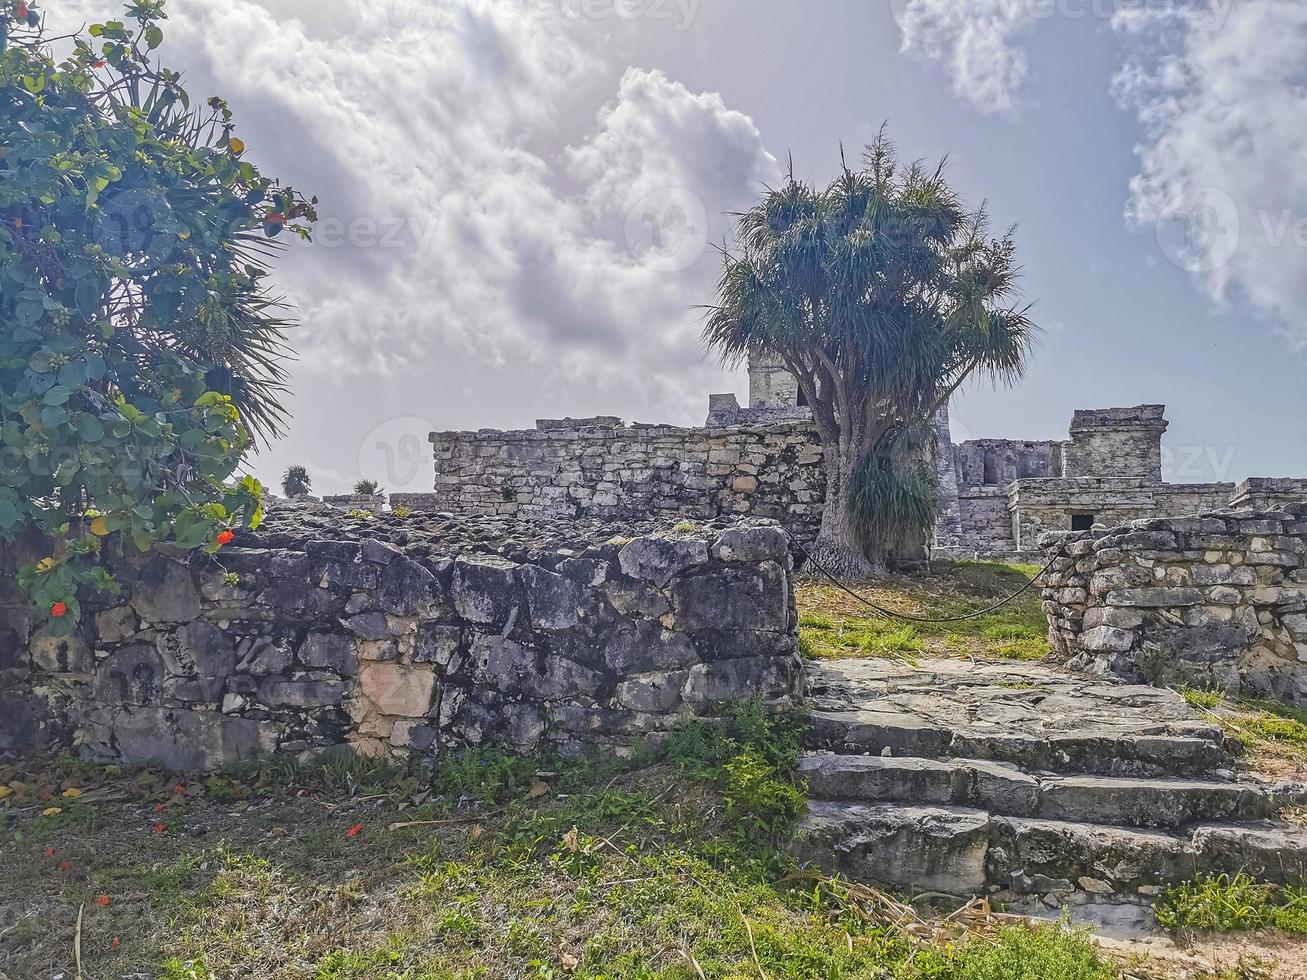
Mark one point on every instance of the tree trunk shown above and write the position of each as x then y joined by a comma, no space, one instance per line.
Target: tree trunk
838,548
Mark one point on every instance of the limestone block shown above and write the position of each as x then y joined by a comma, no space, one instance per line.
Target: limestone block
752,544
1107,639
552,600
396,690
485,590
329,650
165,592
658,560
278,692
264,655
61,654
407,588
116,625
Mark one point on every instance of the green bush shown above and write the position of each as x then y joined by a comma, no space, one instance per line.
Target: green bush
1222,903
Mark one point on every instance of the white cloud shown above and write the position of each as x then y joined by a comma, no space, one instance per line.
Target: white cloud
1221,93
459,225
976,41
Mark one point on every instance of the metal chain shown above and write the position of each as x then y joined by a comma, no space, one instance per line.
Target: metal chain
925,619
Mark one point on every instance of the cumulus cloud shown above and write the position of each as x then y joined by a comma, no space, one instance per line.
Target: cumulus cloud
1220,91
977,41
458,221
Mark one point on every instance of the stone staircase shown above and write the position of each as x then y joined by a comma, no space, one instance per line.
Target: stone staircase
1035,785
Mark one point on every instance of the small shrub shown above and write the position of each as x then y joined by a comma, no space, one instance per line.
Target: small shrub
1221,903
1204,700
403,512
368,488
1017,953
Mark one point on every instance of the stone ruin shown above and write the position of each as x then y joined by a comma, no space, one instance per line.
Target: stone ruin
997,496
405,637
1214,601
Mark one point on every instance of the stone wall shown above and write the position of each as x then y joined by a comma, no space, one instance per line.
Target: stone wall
1116,442
1218,600
1048,505
599,468
401,636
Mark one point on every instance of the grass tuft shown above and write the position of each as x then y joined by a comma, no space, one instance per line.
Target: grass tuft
1222,903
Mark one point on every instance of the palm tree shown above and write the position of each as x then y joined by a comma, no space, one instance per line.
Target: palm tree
295,482
881,294
367,488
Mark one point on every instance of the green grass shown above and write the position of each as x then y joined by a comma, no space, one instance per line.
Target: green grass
1274,734
1221,903
666,867
834,625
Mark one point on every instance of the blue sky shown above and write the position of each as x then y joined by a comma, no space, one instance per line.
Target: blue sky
519,194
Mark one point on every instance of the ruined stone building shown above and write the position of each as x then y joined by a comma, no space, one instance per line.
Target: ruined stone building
997,495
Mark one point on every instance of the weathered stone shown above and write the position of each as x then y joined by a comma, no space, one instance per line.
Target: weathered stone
407,588
651,692
733,598
1108,638
369,625
165,592
752,544
278,692
659,560
645,646
332,651
61,654
439,645
395,690
552,600
264,655
116,625
486,591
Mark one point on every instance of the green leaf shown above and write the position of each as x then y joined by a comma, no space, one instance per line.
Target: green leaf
153,36
58,395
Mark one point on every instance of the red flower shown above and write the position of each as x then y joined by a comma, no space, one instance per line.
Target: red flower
115,943
59,609
21,11
103,900
98,64
65,865
159,828
49,852
180,789
354,831
158,808
276,218
225,537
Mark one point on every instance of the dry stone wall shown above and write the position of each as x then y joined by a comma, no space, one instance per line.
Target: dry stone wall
599,468
401,636
1218,600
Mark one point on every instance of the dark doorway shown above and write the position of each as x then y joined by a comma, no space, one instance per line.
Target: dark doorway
803,399
1082,522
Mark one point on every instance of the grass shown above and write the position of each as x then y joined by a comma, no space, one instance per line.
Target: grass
1221,903
1273,734
487,866
833,624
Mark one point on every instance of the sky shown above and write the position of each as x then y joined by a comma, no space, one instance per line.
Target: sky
522,200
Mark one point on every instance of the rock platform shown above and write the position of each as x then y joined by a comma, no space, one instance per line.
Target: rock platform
1038,786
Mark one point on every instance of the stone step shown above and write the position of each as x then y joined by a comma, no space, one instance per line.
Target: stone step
966,851
1185,749
1005,790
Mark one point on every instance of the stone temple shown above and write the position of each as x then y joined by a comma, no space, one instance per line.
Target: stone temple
997,495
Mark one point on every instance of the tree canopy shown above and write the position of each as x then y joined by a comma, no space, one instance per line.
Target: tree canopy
141,349
881,293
